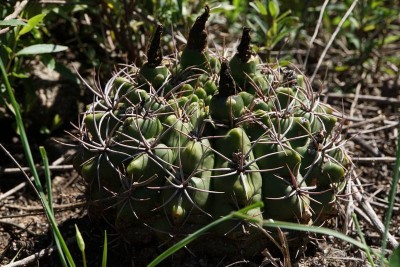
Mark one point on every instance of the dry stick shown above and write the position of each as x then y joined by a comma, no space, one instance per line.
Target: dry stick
379,128
363,122
17,9
23,215
357,93
56,207
37,255
376,222
382,205
310,45
23,184
380,99
40,168
374,159
18,226
362,213
333,38
349,207
360,141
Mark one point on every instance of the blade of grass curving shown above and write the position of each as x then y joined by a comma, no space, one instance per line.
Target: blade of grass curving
392,195
191,237
105,250
31,164
314,229
361,235
47,176
50,199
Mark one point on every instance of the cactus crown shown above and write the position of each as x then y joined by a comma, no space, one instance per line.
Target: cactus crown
244,51
226,84
154,54
198,36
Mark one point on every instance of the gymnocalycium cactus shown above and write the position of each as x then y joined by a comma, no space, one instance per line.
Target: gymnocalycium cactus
171,146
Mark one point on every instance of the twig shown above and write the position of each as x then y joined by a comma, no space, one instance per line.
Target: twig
29,179
40,168
23,184
56,207
23,215
356,95
376,222
360,141
382,205
37,256
13,190
379,129
374,159
363,122
19,227
310,45
380,99
17,9
362,214
321,58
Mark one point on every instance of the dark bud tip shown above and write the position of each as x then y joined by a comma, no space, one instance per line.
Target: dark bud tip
198,36
154,54
227,86
244,50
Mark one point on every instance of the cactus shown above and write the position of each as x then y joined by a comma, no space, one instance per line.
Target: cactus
168,150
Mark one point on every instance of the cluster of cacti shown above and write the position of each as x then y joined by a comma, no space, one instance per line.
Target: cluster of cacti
174,145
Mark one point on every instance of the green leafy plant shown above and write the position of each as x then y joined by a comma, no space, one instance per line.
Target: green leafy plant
270,25
21,38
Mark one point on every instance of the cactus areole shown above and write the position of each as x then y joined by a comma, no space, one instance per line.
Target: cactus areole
167,150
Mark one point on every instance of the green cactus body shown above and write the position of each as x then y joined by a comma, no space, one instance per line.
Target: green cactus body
102,124
242,72
280,159
210,87
193,59
247,98
226,109
244,64
176,131
139,127
102,171
319,120
281,200
153,76
323,204
284,96
168,150
295,129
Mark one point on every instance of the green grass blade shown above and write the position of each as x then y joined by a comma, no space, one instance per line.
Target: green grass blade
191,237
50,200
105,250
314,229
47,176
31,164
21,128
361,235
392,195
